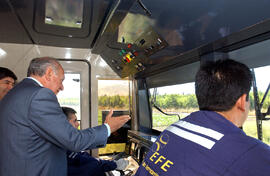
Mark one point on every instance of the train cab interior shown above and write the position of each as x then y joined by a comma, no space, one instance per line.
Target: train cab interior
128,55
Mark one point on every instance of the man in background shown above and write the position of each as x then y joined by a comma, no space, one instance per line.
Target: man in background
209,142
7,81
82,163
34,132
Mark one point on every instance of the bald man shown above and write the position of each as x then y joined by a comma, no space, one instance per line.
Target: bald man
34,132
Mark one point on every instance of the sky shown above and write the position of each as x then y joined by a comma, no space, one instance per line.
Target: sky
262,78
71,87
113,87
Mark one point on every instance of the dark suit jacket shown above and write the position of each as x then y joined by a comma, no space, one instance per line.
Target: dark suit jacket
35,135
83,164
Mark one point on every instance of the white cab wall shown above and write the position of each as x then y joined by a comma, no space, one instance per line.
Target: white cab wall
17,58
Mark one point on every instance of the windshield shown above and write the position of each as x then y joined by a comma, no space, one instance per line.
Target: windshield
181,99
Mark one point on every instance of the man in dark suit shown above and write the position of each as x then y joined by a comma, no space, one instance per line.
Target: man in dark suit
82,163
7,81
34,132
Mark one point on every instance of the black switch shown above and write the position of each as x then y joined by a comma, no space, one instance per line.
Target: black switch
142,41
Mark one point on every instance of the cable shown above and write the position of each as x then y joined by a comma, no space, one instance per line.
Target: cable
165,112
148,13
153,102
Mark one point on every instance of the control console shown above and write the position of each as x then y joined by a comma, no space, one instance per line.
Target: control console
139,144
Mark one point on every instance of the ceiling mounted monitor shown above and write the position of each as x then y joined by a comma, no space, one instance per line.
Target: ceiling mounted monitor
63,17
64,13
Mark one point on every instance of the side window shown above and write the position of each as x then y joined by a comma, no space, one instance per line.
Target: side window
250,127
176,99
113,94
70,97
262,82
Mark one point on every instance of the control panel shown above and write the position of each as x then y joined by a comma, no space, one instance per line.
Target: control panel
133,57
139,144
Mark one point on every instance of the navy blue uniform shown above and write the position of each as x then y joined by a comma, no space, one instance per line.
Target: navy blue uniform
206,144
82,164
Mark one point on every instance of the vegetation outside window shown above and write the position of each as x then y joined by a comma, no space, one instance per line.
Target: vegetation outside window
113,94
176,99
262,81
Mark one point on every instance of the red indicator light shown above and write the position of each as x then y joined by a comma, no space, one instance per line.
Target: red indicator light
136,53
127,59
129,45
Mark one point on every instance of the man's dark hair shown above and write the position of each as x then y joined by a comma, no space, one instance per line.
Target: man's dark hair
67,111
38,66
5,72
219,84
